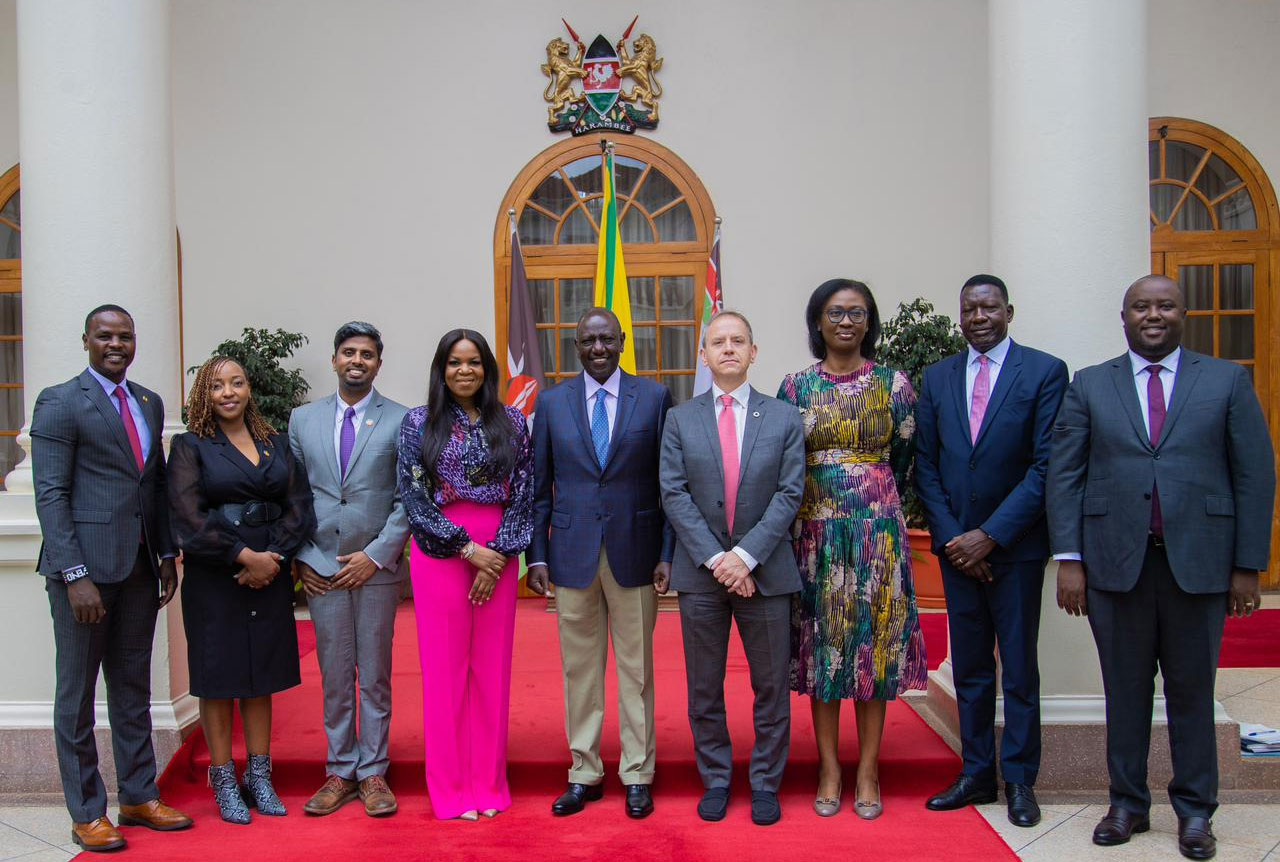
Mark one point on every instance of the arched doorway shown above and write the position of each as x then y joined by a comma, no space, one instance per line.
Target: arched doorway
1215,229
667,223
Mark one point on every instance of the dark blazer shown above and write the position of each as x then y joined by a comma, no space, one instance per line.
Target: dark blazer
1214,465
770,488
577,505
93,504
997,483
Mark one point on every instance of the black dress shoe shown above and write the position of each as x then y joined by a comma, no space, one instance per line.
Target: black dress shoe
1023,810
714,804
576,798
1195,837
765,810
1118,825
639,801
966,790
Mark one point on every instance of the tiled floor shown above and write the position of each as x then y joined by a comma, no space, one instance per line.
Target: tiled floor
40,832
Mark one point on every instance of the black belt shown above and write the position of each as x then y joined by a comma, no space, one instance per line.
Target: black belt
254,513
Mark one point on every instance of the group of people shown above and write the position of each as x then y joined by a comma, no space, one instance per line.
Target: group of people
1149,478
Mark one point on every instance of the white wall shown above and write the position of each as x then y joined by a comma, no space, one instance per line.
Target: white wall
340,160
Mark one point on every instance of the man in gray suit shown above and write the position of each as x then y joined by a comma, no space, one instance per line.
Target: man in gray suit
732,477
108,559
353,567
1160,488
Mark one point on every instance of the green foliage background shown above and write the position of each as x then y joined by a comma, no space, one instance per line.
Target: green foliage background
260,352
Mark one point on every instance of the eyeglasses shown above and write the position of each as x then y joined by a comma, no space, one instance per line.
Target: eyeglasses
836,314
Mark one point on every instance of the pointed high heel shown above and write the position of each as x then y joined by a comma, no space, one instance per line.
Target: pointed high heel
226,792
470,815
258,792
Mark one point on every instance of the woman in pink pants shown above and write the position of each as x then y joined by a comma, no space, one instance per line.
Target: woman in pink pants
466,479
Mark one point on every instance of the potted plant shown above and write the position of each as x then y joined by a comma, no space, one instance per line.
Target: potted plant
911,341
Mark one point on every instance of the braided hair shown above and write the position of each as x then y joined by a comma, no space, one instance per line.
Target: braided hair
201,418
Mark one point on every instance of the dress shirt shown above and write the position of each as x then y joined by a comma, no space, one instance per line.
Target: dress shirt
611,386
340,414
1140,378
995,357
740,397
135,408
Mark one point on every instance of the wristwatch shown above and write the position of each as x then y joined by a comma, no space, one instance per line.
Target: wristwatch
468,551
75,573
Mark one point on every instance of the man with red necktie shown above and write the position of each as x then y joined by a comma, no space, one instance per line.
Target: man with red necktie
1160,492
108,559
732,479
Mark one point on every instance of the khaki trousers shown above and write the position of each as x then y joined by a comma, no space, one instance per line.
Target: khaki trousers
587,618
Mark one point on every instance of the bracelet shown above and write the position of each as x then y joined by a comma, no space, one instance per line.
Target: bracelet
469,551
75,573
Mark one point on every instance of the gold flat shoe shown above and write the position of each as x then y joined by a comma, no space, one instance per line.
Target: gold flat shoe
825,806
470,815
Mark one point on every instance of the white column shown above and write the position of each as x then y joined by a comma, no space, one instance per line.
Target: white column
1069,226
98,227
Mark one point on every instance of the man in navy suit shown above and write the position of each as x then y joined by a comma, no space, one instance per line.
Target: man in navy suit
600,536
984,427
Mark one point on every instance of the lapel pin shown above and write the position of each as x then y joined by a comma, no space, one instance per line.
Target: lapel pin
756,414
144,399
369,422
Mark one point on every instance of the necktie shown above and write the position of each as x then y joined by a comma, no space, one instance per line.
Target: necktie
981,394
348,440
729,450
130,429
1155,423
600,427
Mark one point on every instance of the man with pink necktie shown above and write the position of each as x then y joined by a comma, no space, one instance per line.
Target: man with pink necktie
983,425
732,478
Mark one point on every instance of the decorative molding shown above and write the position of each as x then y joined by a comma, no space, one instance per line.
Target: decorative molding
165,715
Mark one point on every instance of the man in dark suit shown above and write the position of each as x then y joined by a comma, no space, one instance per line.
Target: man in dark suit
732,474
1160,494
600,537
108,560
983,426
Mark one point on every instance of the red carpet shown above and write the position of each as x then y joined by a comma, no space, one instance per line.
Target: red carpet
1252,641
914,764
933,625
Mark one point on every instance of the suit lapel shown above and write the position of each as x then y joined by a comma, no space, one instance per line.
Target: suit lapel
1126,389
1004,382
322,429
1183,382
751,430
153,417
228,451
622,418
957,375
577,396
372,414
706,414
106,407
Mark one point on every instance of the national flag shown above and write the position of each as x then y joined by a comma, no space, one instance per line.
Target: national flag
712,304
611,274
524,362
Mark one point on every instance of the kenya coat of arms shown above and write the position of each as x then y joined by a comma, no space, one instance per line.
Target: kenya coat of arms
585,91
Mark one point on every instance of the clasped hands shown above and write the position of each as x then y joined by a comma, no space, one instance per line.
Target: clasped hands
259,568
488,564
733,573
968,553
357,569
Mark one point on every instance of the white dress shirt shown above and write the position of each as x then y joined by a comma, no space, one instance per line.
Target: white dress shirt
995,357
740,397
135,409
340,413
611,386
1168,374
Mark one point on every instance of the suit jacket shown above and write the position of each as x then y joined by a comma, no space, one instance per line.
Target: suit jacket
93,504
1213,464
770,488
997,482
361,512
577,504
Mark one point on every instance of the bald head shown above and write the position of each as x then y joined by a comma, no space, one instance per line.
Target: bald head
1153,314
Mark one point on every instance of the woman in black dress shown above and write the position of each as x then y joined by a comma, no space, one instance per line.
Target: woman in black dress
241,508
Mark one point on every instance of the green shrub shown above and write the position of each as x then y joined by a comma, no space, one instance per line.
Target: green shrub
276,390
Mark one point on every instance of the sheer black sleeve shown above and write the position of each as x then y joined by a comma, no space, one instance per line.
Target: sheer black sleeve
197,530
297,521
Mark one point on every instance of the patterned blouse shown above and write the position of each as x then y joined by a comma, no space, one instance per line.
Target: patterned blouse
461,461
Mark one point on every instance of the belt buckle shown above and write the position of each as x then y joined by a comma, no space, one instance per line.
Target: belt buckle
254,513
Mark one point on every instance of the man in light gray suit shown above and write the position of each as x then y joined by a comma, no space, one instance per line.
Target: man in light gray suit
1160,492
353,567
732,477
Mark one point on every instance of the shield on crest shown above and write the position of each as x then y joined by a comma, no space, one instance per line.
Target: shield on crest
602,83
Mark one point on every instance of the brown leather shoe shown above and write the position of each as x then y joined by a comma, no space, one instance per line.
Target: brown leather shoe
1118,825
154,815
378,799
333,794
97,836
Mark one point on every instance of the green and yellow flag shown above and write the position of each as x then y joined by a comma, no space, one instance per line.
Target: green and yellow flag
611,273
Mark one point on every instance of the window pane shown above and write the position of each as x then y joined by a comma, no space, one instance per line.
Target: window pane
10,362
576,295
657,191
1236,212
643,291
646,348
10,239
10,455
677,297
10,409
676,224
10,314
595,206
681,386
547,349
585,175
544,300
569,363
1192,215
1235,337
553,194
536,228
635,227
625,173
1197,286
1236,285
1163,197
1216,178
677,348
1198,334
577,230
1180,159
1153,160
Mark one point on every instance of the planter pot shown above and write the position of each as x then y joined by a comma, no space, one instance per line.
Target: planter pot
926,571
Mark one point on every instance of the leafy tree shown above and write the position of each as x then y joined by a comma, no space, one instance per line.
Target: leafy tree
260,351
